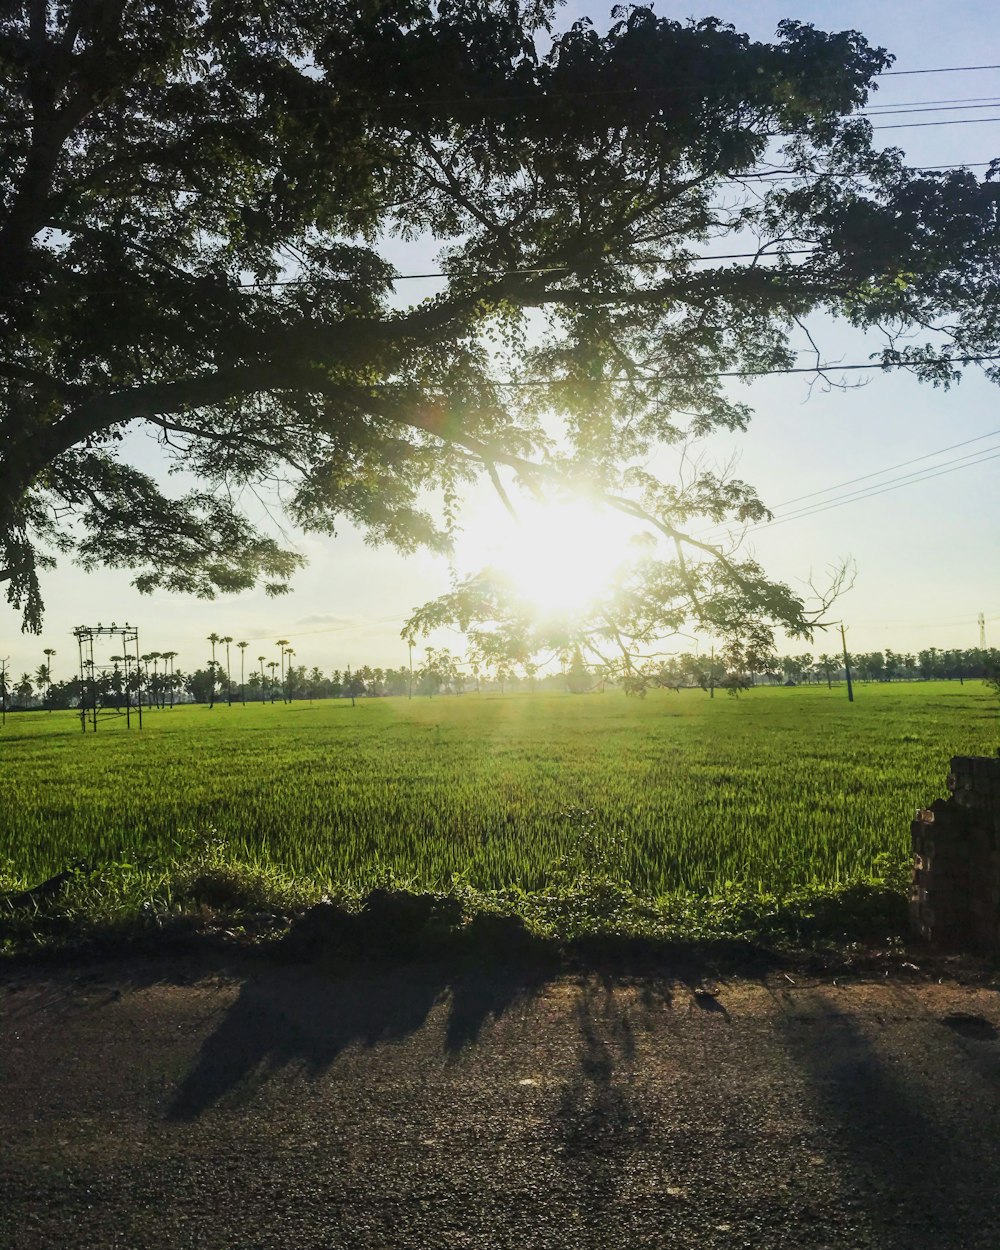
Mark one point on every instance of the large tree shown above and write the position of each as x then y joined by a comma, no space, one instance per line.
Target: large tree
195,204
628,632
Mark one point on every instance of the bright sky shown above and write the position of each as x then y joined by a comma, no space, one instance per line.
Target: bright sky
928,556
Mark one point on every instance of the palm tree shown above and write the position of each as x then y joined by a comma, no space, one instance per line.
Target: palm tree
144,660
272,666
154,690
213,638
118,688
229,672
243,655
263,679
24,689
121,678
48,652
315,681
168,658
282,643
288,674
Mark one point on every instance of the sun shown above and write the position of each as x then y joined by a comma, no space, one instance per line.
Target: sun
559,557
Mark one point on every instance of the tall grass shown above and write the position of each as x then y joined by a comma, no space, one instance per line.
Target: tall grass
775,790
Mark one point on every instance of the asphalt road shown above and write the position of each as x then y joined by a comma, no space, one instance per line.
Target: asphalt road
150,1105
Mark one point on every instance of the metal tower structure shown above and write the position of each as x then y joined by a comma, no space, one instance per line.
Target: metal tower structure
91,673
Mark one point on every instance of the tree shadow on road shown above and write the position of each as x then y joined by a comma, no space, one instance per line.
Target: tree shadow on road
295,1016
600,1124
922,1162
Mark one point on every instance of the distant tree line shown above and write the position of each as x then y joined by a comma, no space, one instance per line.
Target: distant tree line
932,664
155,682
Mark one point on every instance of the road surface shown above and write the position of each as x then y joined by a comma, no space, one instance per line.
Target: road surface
154,1104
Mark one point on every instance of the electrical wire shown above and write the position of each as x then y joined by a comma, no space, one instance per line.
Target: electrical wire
917,624
858,496
334,629
959,99
388,102
905,479
952,121
519,383
940,69
887,110
780,174
492,275
593,93
785,503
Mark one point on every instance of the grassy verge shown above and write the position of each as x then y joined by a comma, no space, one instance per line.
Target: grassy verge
207,894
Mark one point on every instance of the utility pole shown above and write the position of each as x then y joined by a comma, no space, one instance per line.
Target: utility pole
847,664
289,652
229,672
411,669
49,652
982,632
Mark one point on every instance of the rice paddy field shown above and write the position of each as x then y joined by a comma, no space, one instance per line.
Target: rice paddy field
775,789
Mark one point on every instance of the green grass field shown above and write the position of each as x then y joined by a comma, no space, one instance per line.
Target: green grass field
773,790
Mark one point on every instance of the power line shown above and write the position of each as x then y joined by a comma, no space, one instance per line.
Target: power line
960,99
335,629
816,370
905,479
858,497
750,373
888,469
940,69
952,121
894,483
492,275
777,134
915,624
887,110
784,173
539,270
388,102
779,175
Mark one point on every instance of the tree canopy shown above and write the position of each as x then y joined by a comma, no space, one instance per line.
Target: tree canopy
196,201
620,634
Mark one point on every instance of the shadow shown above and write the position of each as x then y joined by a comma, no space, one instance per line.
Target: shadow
919,1155
708,1002
488,995
24,741
975,1027
95,979
599,1125
290,1016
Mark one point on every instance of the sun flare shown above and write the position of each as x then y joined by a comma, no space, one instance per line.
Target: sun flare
558,557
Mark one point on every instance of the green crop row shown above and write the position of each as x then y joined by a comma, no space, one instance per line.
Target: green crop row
677,792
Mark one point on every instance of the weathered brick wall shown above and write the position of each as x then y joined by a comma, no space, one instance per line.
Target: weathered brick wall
955,890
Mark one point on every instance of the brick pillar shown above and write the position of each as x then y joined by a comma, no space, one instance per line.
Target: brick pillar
955,888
